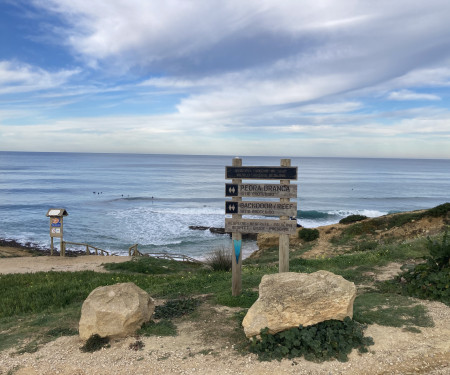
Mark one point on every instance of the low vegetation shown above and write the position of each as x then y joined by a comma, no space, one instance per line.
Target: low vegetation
397,220
332,339
39,307
431,279
164,327
153,266
94,343
308,234
220,259
352,219
388,309
176,308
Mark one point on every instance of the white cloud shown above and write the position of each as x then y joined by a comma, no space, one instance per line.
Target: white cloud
262,68
411,95
255,53
18,77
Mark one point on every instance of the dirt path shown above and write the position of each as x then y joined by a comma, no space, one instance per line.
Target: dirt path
26,264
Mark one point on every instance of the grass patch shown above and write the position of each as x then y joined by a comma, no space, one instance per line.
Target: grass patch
176,308
29,332
164,327
365,246
47,291
246,299
153,266
267,256
390,310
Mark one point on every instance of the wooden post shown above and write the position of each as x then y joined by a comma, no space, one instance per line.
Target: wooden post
236,287
51,245
63,249
283,257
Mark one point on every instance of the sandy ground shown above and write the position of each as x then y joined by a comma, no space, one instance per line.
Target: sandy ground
395,352
57,263
193,351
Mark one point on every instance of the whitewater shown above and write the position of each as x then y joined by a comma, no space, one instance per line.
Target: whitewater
117,200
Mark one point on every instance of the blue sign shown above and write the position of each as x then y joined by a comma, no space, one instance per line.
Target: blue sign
237,249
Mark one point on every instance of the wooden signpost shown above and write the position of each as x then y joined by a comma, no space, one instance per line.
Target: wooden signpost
283,208
56,216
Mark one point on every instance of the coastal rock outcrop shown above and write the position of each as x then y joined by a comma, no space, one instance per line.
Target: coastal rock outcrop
290,299
115,311
245,236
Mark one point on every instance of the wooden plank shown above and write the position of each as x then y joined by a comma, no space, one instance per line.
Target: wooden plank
261,190
260,226
261,173
262,208
236,264
283,240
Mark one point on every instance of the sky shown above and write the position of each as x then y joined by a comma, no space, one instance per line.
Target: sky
256,77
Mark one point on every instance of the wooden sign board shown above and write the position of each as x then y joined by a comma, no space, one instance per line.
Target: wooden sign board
261,173
260,226
261,190
56,226
261,208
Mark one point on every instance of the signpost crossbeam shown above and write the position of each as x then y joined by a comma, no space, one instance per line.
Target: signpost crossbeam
260,226
261,173
261,208
261,190
283,208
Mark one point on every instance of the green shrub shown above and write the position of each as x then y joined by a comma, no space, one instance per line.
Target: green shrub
438,211
320,342
94,343
220,259
439,252
430,280
352,219
308,234
427,283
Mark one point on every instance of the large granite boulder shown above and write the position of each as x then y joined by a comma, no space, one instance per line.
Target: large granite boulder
290,299
115,311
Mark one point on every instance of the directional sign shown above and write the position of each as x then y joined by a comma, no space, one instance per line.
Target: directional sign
261,208
260,226
262,173
261,190
231,190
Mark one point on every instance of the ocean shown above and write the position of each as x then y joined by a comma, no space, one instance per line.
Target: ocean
117,200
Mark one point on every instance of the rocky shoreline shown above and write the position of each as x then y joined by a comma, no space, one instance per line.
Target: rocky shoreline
215,230
34,249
